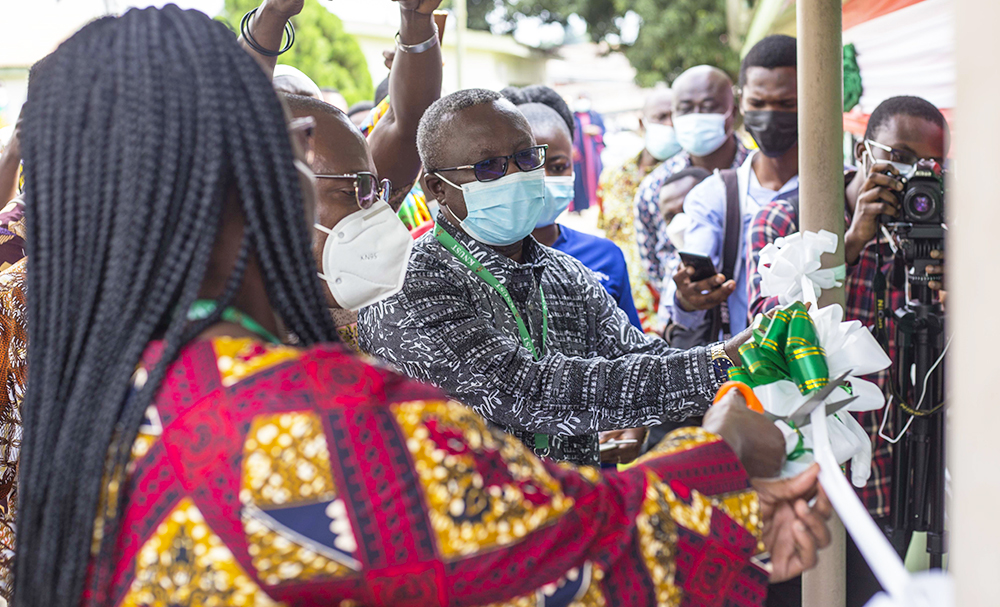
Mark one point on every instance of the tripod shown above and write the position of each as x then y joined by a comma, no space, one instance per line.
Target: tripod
918,488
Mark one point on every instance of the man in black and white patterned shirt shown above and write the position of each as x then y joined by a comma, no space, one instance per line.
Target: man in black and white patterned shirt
553,380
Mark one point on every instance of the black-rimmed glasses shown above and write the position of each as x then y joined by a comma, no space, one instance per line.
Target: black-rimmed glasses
491,169
895,155
367,187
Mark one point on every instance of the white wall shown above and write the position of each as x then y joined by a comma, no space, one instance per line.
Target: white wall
491,62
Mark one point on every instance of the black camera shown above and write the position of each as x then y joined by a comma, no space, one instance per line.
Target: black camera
922,198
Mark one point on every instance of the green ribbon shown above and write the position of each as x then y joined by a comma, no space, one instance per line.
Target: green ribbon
783,347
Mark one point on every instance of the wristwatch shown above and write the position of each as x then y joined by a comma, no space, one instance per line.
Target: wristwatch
721,363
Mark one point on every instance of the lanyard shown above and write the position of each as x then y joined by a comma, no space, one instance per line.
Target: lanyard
203,308
465,257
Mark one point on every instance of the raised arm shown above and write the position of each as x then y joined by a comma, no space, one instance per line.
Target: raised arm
506,528
267,27
414,84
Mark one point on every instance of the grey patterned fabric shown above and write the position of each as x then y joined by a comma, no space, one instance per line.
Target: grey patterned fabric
598,372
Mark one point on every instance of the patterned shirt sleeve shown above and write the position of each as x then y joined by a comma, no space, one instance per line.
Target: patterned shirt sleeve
647,220
680,527
773,221
429,332
13,377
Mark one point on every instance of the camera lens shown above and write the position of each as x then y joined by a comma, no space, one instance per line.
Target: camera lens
922,204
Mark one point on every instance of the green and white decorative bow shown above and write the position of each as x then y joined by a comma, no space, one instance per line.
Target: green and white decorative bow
797,351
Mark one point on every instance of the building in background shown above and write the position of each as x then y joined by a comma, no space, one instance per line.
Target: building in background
609,80
28,32
892,47
490,61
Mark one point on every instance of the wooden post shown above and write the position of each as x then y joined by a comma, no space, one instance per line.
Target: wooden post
821,201
973,422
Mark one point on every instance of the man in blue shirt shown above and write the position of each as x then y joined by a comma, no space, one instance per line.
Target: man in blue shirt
769,104
552,125
604,258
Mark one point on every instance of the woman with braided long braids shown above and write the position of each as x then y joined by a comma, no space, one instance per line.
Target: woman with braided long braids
175,454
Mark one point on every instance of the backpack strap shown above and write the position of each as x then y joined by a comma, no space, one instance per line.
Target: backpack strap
731,244
730,249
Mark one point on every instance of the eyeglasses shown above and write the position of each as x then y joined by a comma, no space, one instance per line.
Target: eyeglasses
895,155
367,187
491,169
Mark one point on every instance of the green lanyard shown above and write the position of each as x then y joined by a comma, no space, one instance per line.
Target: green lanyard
203,308
463,255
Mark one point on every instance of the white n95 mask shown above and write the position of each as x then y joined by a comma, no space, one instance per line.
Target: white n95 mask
365,256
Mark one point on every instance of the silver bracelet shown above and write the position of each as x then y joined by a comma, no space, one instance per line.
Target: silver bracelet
418,48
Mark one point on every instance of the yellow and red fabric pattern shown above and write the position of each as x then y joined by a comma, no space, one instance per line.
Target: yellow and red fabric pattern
280,476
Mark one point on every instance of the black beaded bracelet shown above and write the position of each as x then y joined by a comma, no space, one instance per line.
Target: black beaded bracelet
245,32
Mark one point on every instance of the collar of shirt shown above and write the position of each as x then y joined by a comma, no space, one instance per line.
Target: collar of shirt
679,162
757,193
521,279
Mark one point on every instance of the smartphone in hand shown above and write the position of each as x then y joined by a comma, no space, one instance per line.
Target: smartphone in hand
703,266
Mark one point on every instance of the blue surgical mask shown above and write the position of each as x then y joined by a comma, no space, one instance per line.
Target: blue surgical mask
661,141
558,194
504,211
701,134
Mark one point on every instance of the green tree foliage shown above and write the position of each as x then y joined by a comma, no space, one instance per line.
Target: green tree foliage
678,34
323,50
675,34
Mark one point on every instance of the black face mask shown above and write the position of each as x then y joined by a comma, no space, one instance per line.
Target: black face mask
774,132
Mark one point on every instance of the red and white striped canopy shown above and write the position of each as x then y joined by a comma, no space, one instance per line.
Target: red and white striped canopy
904,47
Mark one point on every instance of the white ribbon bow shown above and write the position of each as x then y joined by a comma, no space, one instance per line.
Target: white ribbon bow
790,269
793,274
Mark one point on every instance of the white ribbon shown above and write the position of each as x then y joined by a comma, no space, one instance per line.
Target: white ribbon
790,269
931,589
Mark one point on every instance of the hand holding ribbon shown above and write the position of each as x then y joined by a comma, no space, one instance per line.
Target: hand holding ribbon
787,359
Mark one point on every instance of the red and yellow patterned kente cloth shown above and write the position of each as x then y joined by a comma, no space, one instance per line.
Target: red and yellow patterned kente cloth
268,475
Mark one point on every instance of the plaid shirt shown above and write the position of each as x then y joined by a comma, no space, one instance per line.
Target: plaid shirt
658,254
780,218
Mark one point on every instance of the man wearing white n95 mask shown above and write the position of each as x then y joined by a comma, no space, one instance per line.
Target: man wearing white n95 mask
360,245
525,334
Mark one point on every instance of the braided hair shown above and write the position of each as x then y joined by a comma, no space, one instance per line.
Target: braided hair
137,132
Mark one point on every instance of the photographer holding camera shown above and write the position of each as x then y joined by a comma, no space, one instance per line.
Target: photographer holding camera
902,133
